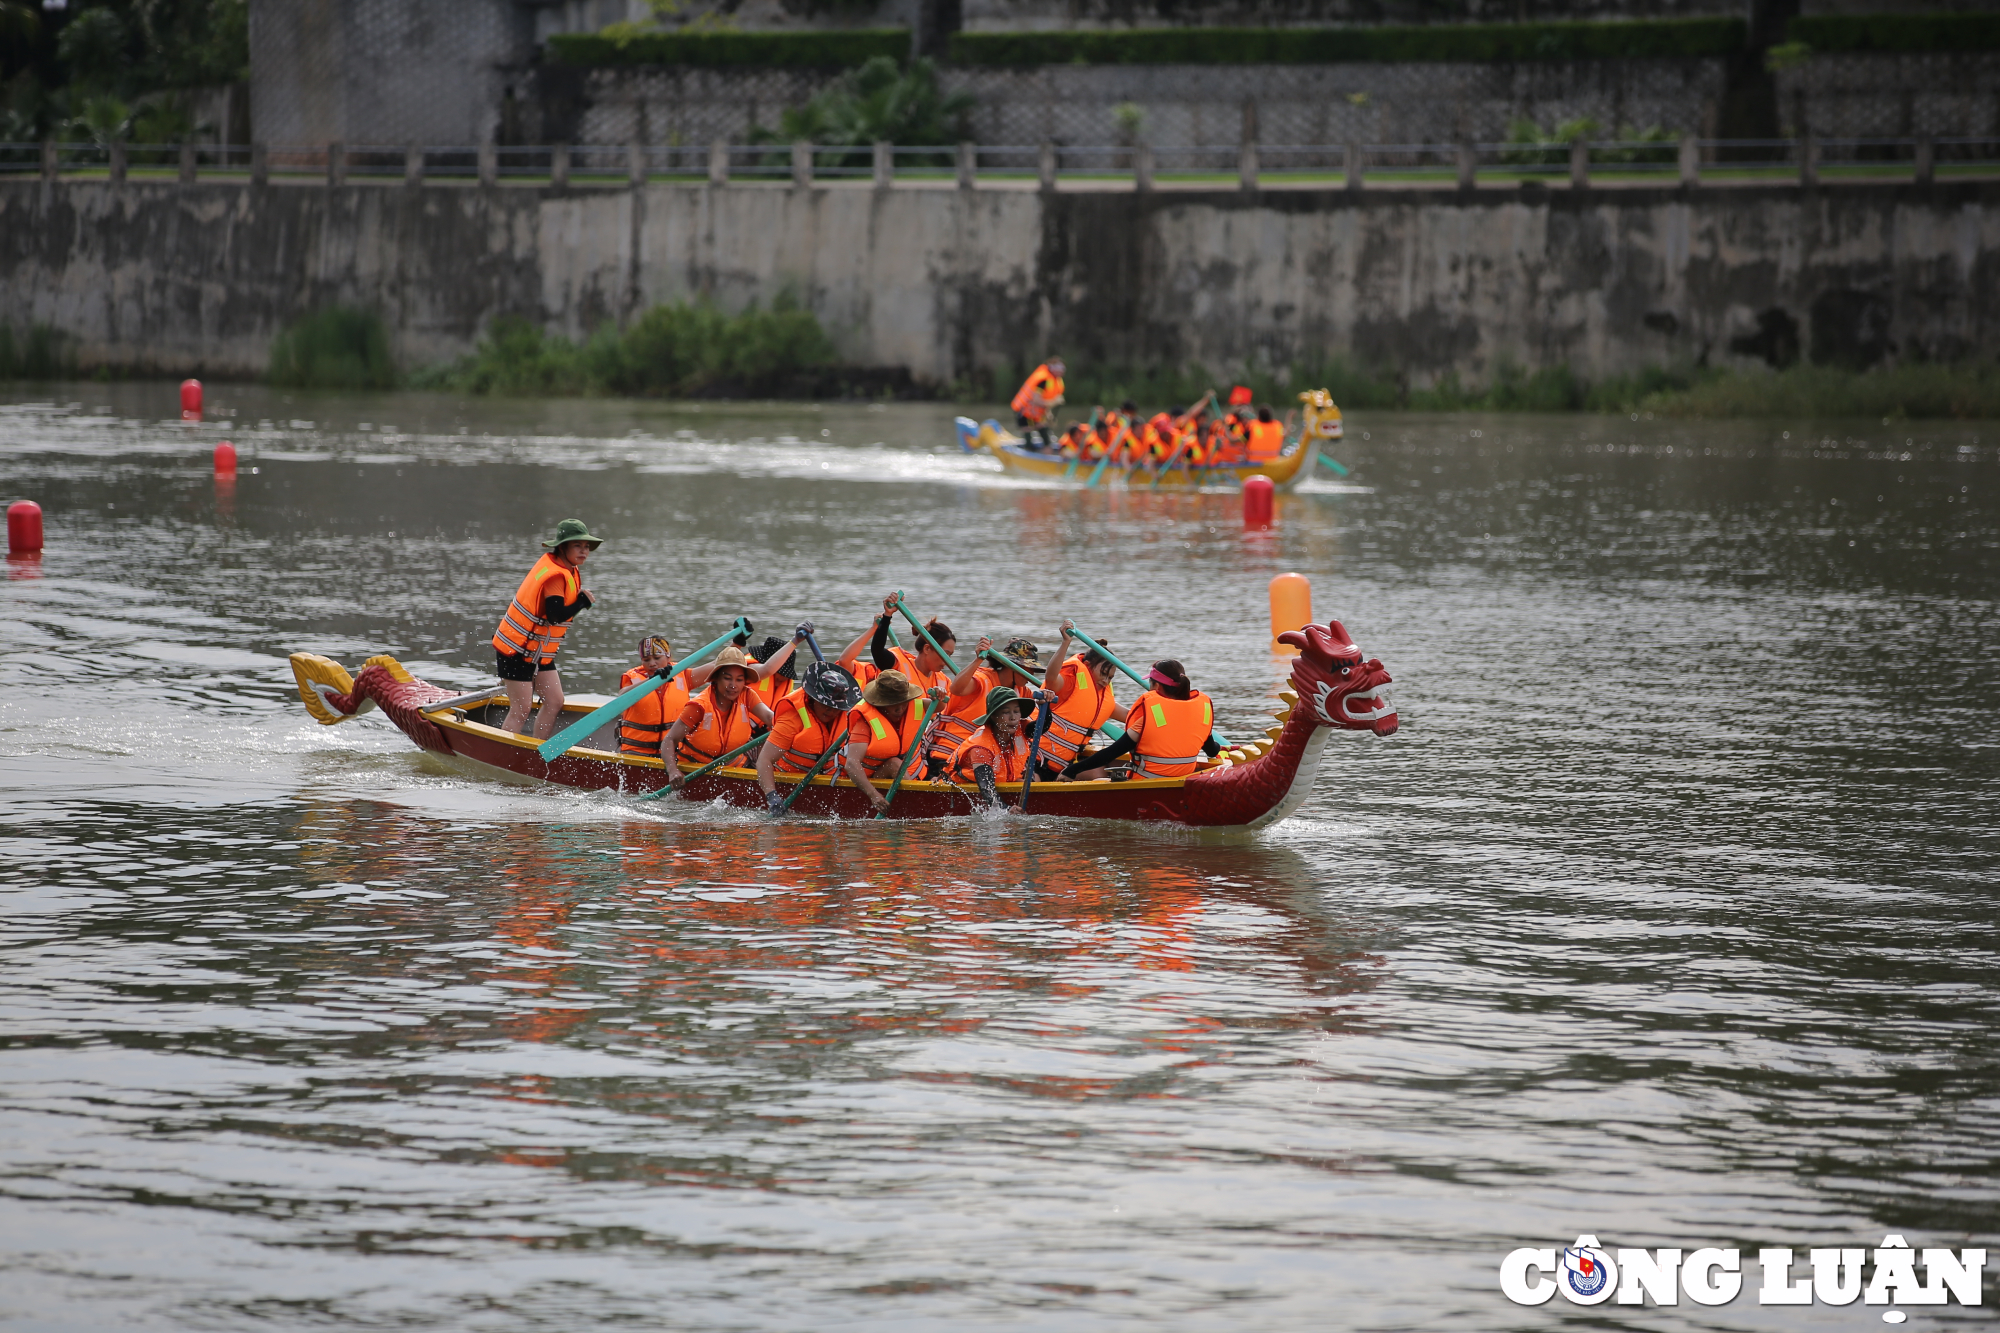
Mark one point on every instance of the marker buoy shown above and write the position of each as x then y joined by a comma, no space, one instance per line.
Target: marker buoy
24,527
190,400
1257,502
1291,603
225,457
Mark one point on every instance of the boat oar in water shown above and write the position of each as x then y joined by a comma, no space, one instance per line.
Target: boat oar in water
918,625
932,698
1042,710
1338,469
839,743
597,717
1136,678
711,765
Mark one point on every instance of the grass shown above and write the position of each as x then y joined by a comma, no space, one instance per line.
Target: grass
335,348
1951,390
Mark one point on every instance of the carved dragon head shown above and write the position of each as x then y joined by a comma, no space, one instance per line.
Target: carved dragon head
1343,690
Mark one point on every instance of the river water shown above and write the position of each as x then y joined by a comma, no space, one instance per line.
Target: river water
1667,917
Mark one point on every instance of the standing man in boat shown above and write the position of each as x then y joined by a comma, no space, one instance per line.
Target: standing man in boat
1037,400
532,628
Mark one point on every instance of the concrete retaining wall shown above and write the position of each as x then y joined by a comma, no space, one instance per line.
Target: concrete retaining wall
949,283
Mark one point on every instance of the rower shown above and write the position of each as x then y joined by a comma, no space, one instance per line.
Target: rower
1267,439
532,628
776,672
806,727
921,666
641,726
880,731
965,704
1039,396
719,719
1169,729
998,751
1081,687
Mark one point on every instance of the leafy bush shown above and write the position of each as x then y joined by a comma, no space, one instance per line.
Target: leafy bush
1963,390
714,50
875,102
1897,32
1312,46
335,348
1632,144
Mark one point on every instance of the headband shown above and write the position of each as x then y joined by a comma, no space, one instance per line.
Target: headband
1159,677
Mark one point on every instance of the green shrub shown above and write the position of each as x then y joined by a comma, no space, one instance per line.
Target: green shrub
1897,32
1963,390
878,101
334,348
715,50
1314,46
41,353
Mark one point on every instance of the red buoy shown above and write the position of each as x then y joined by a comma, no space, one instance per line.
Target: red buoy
24,527
1257,502
190,400
225,457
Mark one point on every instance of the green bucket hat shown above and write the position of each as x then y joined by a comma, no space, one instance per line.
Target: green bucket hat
571,530
999,697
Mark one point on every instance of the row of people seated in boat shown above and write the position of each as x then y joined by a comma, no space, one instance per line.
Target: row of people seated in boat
1241,437
978,732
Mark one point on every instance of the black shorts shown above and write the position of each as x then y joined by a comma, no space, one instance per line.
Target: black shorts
520,668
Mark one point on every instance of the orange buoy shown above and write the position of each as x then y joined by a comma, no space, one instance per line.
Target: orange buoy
190,400
225,457
1291,603
24,527
1257,502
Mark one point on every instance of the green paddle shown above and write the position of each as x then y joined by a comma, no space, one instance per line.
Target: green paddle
931,698
999,658
918,625
1335,466
597,717
1138,680
839,744
714,763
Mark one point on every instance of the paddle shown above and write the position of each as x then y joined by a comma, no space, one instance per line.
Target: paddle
712,764
931,697
999,658
839,743
1098,471
1042,711
1142,683
1335,466
918,625
591,721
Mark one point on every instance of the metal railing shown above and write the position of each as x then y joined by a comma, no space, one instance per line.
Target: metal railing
1688,161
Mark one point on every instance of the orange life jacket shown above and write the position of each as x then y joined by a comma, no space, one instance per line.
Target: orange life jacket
770,689
719,731
1157,440
1010,763
641,726
522,630
1227,446
1267,441
963,714
1076,717
1171,732
812,739
906,662
887,740
1044,383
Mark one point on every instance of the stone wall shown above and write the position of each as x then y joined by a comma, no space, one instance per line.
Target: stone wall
169,279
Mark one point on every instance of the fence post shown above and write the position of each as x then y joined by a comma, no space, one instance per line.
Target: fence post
1468,166
1690,160
336,164
187,176
802,163
1142,167
118,162
1354,166
1808,160
48,159
885,164
1246,165
1047,167
635,163
559,167
968,165
1579,164
1926,167
489,163
413,164
260,164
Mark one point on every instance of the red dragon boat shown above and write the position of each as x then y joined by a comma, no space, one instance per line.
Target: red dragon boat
1250,786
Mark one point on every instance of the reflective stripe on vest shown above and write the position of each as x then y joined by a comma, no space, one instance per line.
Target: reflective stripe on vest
1177,723
963,715
1011,764
522,631
717,731
888,741
792,759
1077,717
641,726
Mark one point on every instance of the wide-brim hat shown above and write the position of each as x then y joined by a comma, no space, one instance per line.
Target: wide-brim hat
732,656
1025,652
829,685
891,688
571,530
999,697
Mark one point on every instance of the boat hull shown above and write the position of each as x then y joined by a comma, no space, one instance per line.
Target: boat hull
990,437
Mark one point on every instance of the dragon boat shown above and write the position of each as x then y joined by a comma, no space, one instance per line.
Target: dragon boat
1321,421
1251,786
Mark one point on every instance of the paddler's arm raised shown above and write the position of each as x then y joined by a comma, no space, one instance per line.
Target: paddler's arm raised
1052,678
852,652
769,666
967,681
878,643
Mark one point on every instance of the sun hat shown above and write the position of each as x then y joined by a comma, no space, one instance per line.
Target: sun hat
571,530
891,688
830,686
732,656
998,698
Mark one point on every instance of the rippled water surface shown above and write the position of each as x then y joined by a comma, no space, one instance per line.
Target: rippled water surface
1668,916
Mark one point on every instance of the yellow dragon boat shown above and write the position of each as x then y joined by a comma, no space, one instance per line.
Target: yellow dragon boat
1321,421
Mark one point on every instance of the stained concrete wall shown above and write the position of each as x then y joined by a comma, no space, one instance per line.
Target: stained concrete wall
950,283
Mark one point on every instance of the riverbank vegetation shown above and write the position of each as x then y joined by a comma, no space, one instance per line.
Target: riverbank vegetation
336,348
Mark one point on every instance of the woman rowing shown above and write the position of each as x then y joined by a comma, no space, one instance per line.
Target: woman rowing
998,751
965,702
881,730
776,674
922,666
1080,687
812,720
1169,729
532,628
721,718
641,726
